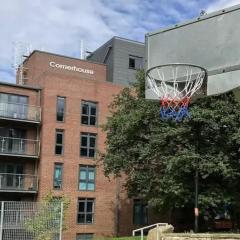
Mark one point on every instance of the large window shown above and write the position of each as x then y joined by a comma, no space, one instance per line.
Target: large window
85,211
58,172
59,142
89,113
61,102
86,178
13,106
84,236
135,62
88,145
140,212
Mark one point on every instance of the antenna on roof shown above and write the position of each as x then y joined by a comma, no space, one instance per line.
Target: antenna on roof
82,53
21,52
203,12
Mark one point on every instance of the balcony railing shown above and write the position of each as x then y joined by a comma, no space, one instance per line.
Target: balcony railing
20,111
18,182
19,146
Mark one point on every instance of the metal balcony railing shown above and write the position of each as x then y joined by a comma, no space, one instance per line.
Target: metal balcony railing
20,111
19,146
18,182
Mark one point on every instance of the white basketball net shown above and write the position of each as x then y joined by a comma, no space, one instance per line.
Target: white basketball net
175,82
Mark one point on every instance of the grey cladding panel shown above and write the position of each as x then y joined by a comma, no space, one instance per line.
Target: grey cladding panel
122,49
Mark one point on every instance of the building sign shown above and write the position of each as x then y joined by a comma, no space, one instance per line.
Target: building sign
70,68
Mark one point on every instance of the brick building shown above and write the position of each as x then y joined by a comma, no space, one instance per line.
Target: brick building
50,134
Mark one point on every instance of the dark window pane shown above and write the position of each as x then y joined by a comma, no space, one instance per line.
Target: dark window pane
60,108
89,218
91,153
84,152
81,218
58,150
131,63
93,110
140,213
81,206
59,138
92,141
60,116
89,206
84,119
92,120
85,109
84,141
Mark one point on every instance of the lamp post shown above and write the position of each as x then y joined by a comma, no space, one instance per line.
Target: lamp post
196,211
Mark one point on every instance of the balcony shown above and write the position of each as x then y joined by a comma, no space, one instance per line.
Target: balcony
19,147
18,183
20,112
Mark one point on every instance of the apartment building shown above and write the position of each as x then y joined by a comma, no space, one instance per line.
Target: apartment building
50,136
20,119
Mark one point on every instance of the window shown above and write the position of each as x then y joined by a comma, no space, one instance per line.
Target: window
84,236
89,113
86,178
57,180
135,62
88,145
59,142
85,210
60,108
140,212
13,106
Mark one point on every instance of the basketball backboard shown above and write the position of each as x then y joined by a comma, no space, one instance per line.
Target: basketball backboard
211,41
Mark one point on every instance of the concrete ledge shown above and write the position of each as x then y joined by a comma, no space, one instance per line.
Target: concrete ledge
199,236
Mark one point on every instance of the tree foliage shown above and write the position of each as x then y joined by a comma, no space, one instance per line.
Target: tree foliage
160,157
46,220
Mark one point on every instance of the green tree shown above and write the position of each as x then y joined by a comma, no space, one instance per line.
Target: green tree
45,222
160,157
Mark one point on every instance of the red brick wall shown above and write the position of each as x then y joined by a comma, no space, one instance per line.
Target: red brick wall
75,87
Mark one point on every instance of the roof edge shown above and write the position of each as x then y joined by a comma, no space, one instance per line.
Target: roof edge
195,20
59,55
20,86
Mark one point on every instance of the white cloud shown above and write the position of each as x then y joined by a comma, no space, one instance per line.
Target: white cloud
59,25
220,4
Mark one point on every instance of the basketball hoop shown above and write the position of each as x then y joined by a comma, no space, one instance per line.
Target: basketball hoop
174,85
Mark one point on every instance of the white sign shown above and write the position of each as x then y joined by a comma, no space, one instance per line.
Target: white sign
70,68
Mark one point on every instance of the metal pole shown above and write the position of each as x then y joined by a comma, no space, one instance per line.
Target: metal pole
1,221
141,234
196,210
61,222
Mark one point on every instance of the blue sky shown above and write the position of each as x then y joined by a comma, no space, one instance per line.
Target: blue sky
58,26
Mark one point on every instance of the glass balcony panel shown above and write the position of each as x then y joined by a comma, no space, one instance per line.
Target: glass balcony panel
20,111
18,182
19,146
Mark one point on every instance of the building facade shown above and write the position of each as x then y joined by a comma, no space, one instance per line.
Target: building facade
51,134
123,58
